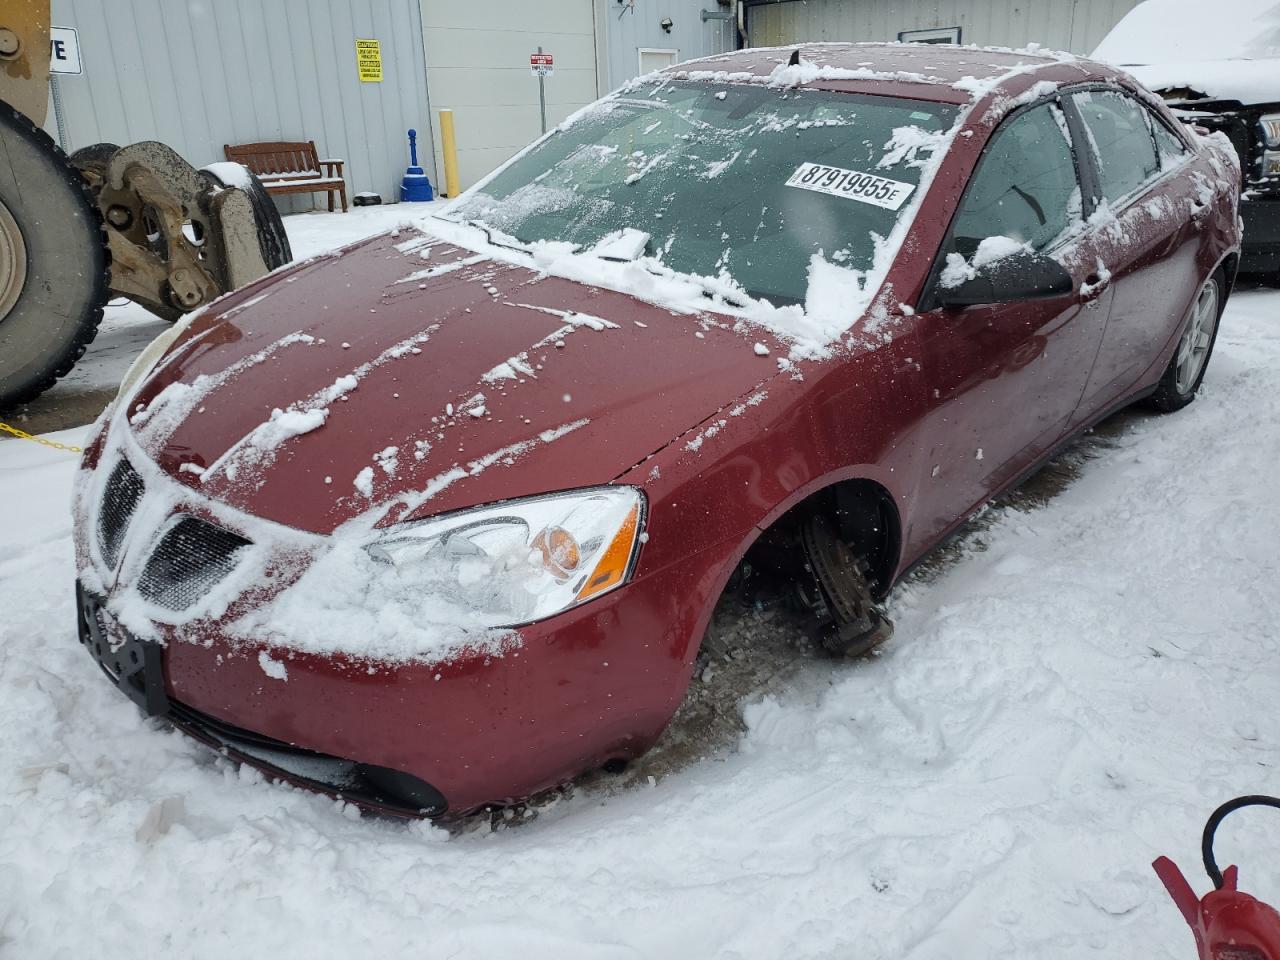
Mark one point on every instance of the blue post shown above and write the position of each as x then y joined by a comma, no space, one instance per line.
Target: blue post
415,187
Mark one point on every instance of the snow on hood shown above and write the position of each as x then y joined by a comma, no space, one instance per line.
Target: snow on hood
1248,81
1183,31
346,391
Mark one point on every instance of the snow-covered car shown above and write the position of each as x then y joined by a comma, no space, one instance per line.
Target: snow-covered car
1219,70
441,519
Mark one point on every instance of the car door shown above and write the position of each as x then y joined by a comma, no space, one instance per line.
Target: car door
1005,378
1148,223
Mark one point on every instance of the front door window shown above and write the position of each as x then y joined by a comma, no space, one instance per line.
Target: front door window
1025,187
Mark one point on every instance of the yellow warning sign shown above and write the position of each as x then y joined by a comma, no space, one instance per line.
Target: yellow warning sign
369,61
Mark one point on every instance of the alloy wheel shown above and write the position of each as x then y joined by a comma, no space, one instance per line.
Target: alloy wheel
1193,348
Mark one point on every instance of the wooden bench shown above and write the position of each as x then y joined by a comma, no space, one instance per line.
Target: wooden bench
285,167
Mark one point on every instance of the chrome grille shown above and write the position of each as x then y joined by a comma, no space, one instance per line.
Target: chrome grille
191,558
124,491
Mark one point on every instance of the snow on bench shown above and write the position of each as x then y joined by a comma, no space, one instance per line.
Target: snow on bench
291,167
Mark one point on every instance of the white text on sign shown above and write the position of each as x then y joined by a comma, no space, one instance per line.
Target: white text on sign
541,64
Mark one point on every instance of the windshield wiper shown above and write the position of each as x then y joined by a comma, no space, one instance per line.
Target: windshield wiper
488,234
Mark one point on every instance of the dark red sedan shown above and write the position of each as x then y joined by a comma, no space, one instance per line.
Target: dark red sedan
440,519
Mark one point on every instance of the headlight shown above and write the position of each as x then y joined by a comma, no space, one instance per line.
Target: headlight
1271,130
521,561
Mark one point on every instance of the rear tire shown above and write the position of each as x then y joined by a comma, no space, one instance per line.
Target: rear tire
55,265
1186,370
272,239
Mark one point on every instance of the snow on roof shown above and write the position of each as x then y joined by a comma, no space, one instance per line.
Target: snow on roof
936,64
1174,31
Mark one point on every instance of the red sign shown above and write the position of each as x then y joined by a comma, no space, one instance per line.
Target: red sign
541,64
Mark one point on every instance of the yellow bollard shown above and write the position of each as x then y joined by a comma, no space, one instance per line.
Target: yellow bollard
449,147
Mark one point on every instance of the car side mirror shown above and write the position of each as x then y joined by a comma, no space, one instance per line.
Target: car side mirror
1019,276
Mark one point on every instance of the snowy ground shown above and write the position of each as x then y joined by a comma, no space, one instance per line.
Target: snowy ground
126,327
1067,695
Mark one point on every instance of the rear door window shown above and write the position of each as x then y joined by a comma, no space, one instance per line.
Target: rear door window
1121,139
1025,187
1170,147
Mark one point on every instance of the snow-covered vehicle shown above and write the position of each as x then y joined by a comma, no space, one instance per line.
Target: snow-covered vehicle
441,519
1219,69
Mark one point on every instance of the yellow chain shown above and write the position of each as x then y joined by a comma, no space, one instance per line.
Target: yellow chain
23,435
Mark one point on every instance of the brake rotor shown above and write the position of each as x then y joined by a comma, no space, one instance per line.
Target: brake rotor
13,261
845,589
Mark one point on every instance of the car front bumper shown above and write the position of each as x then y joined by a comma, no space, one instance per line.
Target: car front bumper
594,684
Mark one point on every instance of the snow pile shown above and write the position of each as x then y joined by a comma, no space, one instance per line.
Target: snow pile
1179,31
1062,704
377,611
907,143
1248,81
992,249
806,71
232,174
348,601
1234,56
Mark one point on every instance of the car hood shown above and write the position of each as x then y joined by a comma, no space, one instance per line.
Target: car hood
404,377
1246,81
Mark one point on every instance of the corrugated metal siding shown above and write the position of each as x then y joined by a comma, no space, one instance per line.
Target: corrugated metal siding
478,67
1074,25
632,25
197,74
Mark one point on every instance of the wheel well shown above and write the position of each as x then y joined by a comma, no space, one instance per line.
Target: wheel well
1230,266
866,518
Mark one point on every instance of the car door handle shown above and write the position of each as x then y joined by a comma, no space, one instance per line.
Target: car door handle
1199,210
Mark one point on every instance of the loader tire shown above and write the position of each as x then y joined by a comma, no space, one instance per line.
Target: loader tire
272,239
54,262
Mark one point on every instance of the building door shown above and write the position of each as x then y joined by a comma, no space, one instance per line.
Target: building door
478,67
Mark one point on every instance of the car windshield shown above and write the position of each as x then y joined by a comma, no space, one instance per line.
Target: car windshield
713,179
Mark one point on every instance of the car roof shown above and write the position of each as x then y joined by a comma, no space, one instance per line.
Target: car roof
945,73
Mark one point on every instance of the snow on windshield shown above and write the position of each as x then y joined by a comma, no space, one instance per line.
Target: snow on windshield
734,197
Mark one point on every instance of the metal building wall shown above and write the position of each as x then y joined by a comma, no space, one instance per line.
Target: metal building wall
478,67
1074,25
196,74
629,25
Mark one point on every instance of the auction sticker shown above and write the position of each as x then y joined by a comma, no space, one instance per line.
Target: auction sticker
839,182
